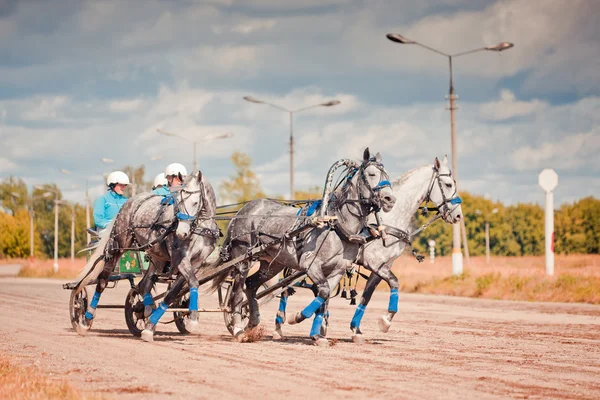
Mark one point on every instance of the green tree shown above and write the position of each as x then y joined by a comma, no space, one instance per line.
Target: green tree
244,184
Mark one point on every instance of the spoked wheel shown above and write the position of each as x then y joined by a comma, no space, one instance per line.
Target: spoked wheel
134,312
181,317
78,306
227,289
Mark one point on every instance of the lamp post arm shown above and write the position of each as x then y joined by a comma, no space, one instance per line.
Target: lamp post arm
307,108
277,107
432,49
468,52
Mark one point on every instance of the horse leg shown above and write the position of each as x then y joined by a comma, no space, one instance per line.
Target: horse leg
147,283
148,332
280,318
238,298
266,271
372,283
388,276
102,279
318,332
185,269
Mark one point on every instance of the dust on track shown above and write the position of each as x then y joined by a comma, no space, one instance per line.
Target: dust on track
438,347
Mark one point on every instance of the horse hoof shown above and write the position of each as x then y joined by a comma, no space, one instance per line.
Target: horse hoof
384,324
292,320
358,338
148,335
321,342
277,334
82,329
239,334
192,327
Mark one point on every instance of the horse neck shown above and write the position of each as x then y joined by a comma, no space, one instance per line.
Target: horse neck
353,214
410,192
209,208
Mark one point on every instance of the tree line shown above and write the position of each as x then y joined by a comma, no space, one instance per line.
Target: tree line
515,230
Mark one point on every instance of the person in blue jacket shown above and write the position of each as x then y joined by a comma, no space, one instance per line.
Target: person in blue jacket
160,185
107,206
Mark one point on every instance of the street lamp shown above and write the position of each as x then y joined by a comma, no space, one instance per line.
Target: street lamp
56,203
225,135
487,234
31,226
330,103
457,267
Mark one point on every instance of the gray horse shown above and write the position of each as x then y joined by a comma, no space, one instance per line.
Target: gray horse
430,183
323,253
148,222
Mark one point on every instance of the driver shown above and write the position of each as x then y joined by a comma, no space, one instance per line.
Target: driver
108,205
160,184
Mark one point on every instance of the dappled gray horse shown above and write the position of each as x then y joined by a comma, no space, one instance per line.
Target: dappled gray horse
146,222
430,183
323,253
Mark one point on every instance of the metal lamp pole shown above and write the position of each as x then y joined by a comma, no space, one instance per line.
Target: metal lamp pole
487,234
457,267
291,114
225,135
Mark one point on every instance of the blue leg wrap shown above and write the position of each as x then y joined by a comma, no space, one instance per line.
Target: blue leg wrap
194,299
283,303
393,307
315,330
88,315
312,307
156,314
278,320
358,314
148,299
95,300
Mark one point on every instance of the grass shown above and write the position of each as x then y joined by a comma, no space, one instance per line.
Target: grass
18,382
576,279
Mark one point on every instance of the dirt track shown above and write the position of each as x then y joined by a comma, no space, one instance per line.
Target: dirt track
438,347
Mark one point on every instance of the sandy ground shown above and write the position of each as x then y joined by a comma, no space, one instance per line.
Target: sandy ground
438,347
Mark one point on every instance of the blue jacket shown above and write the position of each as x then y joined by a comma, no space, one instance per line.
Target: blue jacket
162,191
107,207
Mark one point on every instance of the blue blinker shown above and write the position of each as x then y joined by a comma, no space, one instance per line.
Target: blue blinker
456,200
169,200
383,184
184,217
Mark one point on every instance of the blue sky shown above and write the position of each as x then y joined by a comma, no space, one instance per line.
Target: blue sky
81,80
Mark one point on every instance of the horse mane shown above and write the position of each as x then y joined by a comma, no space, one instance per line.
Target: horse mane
341,194
400,181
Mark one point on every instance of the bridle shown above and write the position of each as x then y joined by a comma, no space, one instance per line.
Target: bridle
444,207
184,215
373,200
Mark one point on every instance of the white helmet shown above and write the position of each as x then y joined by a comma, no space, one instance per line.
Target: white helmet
175,169
116,177
160,180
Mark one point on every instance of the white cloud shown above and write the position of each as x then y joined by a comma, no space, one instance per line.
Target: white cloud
508,107
125,106
6,165
44,108
570,152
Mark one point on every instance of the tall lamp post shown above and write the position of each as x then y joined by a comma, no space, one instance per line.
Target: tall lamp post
225,135
56,203
87,203
457,265
330,103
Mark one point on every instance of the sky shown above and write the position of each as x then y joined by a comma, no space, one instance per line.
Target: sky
82,80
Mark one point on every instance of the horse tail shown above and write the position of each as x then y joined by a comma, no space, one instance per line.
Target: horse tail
95,265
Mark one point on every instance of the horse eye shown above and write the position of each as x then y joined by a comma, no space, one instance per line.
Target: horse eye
449,185
195,204
372,175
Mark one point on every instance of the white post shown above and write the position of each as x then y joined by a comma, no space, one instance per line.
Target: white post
73,234
487,242
56,234
431,251
549,230
548,179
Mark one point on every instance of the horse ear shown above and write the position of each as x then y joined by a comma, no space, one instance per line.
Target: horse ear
199,177
378,157
436,164
366,155
445,160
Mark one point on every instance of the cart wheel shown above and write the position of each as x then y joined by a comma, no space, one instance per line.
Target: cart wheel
180,317
226,289
134,312
78,306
